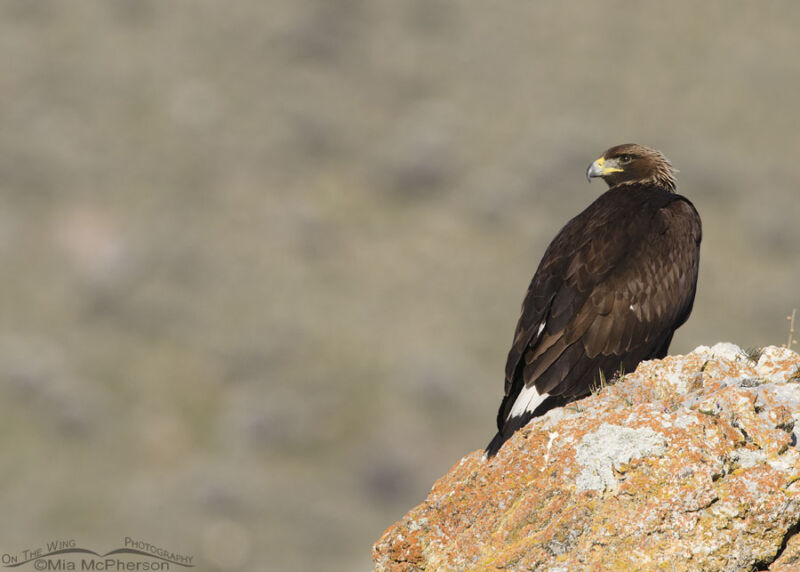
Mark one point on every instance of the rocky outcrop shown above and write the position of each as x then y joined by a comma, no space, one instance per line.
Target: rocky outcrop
690,463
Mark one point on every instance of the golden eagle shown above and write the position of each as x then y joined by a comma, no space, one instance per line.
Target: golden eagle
612,288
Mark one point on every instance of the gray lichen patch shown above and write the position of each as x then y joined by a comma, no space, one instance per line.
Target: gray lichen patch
747,458
610,447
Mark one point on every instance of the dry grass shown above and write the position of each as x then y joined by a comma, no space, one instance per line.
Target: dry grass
790,341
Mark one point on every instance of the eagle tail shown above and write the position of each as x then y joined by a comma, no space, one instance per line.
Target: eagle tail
529,404
494,445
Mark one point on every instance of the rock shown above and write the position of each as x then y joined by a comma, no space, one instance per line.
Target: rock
601,453
689,463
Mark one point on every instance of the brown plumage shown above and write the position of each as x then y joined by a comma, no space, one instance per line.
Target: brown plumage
610,291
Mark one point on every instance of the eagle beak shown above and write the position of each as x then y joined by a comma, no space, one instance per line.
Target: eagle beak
594,170
601,168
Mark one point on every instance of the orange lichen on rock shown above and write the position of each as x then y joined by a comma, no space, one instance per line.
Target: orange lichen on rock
689,463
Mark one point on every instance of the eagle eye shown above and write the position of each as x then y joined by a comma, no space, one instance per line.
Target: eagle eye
625,159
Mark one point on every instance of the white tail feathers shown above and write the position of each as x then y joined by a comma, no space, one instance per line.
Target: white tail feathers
527,400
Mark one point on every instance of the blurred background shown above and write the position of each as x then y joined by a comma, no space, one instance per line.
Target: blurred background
263,260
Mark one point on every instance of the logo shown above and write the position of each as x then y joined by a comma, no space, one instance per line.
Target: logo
134,555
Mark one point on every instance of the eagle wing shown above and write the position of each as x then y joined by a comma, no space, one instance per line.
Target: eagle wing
610,291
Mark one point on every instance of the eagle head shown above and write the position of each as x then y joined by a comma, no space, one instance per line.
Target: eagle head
631,163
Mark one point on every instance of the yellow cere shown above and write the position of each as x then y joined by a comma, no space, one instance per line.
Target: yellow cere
601,162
